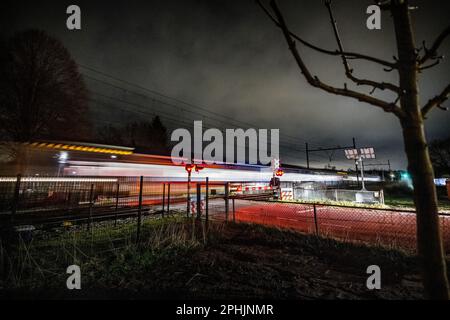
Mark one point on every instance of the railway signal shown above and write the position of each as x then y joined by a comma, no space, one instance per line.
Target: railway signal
198,168
277,173
189,167
274,182
195,167
275,164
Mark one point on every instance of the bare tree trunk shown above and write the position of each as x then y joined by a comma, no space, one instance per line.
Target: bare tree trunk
429,240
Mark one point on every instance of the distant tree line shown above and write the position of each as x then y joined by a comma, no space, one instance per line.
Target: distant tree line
145,136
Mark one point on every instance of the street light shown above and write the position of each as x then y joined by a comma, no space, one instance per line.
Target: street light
364,153
367,153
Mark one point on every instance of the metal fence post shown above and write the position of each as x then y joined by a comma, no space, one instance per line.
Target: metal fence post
69,200
226,201
315,220
234,211
207,199
15,203
188,200
138,234
199,200
168,198
163,199
91,204
117,205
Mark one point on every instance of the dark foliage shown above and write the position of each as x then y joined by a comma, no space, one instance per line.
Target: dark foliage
147,137
440,156
42,94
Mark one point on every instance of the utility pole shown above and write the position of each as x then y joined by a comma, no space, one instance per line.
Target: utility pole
360,160
307,155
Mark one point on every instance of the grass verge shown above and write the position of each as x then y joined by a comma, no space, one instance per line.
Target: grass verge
178,258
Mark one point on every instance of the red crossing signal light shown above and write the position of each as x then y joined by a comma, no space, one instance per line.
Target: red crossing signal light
195,167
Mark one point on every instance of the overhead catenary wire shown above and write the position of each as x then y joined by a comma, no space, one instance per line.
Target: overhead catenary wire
171,98
178,122
216,117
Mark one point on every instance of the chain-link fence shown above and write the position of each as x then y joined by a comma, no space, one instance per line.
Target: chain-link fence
387,227
47,199
35,203
83,202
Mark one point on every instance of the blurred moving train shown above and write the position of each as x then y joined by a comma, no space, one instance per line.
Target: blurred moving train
85,159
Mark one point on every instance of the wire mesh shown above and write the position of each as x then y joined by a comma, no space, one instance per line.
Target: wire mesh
97,202
387,227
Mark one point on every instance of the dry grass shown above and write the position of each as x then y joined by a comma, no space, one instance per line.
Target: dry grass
184,258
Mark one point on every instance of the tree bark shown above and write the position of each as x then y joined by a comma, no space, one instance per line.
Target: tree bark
429,240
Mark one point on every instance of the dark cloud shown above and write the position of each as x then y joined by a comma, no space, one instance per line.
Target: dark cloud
228,57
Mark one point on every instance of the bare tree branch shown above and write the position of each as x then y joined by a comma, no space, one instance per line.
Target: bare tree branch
437,101
315,82
351,55
384,5
348,70
431,65
432,52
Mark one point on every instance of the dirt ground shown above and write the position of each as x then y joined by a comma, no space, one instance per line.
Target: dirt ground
256,262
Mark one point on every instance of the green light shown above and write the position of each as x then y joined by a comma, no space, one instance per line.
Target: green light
405,176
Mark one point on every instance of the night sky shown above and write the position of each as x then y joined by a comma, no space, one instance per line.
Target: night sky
229,59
